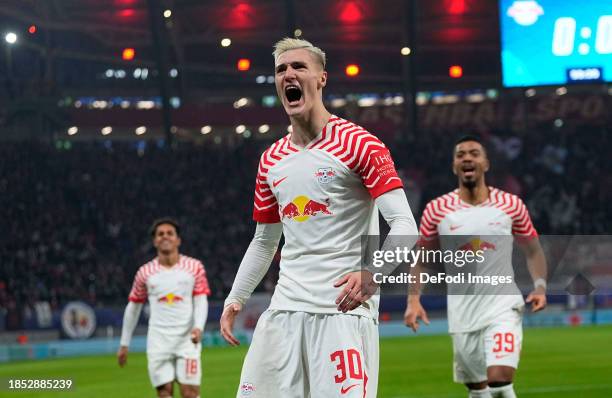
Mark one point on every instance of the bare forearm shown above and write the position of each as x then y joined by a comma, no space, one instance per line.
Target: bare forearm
536,263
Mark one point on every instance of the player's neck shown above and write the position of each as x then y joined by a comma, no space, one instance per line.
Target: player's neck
474,195
307,127
169,259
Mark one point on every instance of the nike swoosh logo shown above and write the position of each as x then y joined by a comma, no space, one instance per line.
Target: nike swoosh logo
275,183
345,390
454,227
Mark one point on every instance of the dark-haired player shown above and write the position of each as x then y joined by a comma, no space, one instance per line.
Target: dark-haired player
486,329
177,290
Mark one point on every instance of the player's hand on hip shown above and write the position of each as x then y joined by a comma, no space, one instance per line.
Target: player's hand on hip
414,311
227,322
122,355
196,335
359,286
537,299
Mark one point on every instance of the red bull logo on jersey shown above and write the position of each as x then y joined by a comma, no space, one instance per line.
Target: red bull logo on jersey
301,208
477,244
170,298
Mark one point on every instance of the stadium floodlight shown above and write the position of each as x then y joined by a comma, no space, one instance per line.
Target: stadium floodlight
140,130
405,51
352,70
11,38
167,13
264,128
244,64
73,130
226,42
206,129
106,130
240,129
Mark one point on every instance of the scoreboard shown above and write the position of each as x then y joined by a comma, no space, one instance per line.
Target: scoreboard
554,42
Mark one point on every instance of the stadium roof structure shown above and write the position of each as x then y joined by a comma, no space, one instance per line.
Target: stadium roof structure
79,41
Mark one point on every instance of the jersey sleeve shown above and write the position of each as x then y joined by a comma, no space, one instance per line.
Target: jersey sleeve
522,227
428,229
376,167
201,283
138,294
265,207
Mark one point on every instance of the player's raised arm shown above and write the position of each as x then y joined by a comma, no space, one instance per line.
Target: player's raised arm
254,265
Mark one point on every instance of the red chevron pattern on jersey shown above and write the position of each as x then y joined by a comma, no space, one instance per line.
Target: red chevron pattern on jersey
191,265
361,152
265,204
510,204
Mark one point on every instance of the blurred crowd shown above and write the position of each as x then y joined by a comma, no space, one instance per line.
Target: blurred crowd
76,219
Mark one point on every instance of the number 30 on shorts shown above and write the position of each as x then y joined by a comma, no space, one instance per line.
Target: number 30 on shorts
503,342
350,357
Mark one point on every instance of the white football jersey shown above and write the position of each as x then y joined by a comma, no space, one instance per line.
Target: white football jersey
170,291
449,223
324,196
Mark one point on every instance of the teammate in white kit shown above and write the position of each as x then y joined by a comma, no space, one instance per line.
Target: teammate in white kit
486,328
177,290
321,186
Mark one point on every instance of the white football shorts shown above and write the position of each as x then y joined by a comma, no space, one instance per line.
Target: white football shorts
498,344
173,358
300,355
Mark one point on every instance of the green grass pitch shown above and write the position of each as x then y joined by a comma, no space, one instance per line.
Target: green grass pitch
563,362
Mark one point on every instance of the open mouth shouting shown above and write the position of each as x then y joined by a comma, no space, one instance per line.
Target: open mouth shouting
293,94
469,170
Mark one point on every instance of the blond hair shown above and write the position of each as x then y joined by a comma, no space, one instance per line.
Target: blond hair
289,43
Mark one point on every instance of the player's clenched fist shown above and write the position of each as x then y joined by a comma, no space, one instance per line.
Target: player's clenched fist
122,355
227,322
414,311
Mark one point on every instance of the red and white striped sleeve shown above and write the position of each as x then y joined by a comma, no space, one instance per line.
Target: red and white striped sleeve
375,166
265,209
522,227
201,283
428,229
138,294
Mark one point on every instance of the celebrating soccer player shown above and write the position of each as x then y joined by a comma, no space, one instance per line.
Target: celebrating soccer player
486,329
320,186
176,287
